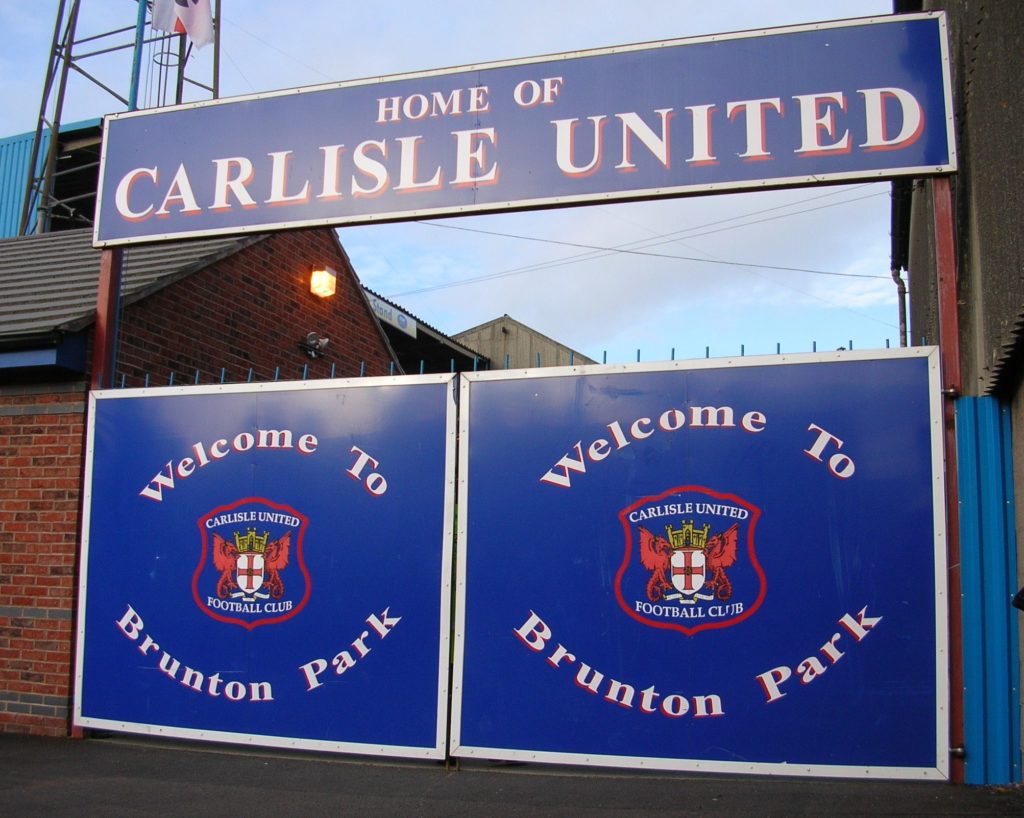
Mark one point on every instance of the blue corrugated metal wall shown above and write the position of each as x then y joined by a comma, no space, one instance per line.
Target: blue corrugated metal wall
988,557
15,154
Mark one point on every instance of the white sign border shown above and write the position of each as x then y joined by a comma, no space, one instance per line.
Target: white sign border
439,750
940,772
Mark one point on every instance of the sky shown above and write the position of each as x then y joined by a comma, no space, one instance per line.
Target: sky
724,275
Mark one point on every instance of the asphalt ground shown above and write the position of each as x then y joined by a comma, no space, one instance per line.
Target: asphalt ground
123,776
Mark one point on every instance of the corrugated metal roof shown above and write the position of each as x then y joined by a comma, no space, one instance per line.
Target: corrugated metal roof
48,282
430,348
421,323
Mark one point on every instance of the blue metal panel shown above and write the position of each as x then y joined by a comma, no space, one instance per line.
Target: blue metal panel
970,584
1013,636
69,353
15,154
988,576
262,555
23,358
580,636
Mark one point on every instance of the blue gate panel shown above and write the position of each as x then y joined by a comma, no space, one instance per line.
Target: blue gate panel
270,564
731,567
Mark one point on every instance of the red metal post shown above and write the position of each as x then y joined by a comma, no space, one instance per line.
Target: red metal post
949,355
108,299
108,304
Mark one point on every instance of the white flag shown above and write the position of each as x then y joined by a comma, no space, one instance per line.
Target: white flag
165,18
192,17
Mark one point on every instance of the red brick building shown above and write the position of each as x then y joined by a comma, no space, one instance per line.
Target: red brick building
208,311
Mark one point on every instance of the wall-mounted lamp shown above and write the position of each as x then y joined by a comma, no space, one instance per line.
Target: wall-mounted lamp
314,344
323,282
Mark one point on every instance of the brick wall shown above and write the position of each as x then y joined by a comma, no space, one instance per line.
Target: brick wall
247,311
41,429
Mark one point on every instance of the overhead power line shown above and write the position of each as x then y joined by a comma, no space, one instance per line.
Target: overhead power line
631,248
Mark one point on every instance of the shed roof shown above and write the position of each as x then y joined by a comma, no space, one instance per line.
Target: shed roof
429,348
48,282
528,342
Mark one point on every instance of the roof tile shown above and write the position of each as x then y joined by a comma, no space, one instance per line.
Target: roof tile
49,282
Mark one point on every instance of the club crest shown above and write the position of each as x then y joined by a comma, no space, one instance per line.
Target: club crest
690,563
251,570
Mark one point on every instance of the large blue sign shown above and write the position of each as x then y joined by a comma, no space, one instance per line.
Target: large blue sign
857,99
270,564
729,566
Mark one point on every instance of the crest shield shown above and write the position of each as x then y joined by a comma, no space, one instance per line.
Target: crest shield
690,562
688,566
249,573
252,569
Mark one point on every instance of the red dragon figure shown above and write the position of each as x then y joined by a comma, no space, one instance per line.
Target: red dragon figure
720,553
275,559
655,555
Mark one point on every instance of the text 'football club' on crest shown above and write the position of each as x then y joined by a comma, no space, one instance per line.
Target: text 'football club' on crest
690,563
251,568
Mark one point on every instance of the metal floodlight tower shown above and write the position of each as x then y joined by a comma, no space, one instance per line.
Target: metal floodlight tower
68,53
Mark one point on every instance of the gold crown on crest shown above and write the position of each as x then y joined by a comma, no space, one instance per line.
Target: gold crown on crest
251,541
688,536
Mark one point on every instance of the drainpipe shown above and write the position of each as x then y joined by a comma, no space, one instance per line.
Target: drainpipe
901,290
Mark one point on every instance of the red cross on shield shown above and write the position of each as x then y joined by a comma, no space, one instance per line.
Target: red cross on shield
688,565
249,572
